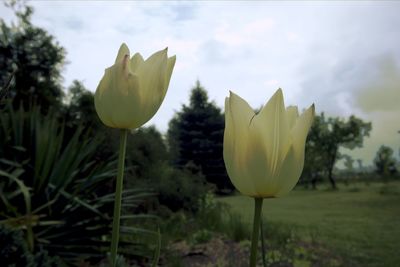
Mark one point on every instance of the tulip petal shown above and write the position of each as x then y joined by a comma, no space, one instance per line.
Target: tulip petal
170,67
271,127
292,113
289,173
115,107
237,118
122,52
242,113
136,61
294,163
152,74
257,158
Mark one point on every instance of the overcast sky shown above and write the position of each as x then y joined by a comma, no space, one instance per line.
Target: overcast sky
342,56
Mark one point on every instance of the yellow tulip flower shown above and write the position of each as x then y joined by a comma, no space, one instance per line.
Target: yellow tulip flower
132,90
264,152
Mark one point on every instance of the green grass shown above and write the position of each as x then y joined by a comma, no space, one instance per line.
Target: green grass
359,222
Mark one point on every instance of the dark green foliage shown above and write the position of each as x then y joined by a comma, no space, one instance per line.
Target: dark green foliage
217,216
81,111
43,259
325,138
147,164
120,262
35,59
15,252
146,153
384,161
13,248
195,136
54,187
179,189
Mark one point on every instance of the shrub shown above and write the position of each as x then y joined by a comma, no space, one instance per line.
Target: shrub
13,249
54,187
217,216
179,189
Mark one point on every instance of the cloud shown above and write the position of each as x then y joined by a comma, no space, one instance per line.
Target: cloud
246,33
381,92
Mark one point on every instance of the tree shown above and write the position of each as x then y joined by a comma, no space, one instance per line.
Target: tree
146,153
326,136
80,109
348,163
195,136
314,161
34,58
384,161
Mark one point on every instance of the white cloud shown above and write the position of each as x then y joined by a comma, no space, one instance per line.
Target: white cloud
243,33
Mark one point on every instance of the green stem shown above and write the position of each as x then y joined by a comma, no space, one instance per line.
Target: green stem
256,228
118,196
262,243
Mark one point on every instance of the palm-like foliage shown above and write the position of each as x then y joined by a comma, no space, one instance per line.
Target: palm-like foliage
53,187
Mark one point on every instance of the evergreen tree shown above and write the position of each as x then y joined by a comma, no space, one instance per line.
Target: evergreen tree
195,137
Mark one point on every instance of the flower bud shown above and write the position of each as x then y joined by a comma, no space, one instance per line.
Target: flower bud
132,90
264,152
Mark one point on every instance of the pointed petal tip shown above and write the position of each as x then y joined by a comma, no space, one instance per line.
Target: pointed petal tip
234,95
312,107
278,93
137,54
277,96
165,50
124,47
122,52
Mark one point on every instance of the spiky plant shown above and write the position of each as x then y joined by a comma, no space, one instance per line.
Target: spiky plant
53,187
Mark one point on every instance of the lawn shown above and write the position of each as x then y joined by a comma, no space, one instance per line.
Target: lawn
359,222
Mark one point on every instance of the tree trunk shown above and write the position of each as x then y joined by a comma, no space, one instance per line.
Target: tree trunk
314,183
332,179
331,166
314,178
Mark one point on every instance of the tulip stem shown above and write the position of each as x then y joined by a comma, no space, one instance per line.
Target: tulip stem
256,227
262,242
118,196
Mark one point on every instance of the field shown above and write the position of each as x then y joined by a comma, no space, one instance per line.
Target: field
360,222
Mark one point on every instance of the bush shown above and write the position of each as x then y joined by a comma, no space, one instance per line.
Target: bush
218,217
179,189
211,213
43,259
201,236
236,228
55,183
13,249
